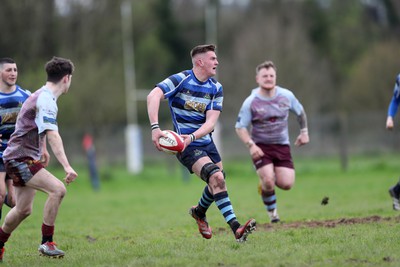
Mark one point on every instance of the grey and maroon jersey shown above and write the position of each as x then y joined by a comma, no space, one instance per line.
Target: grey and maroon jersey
268,117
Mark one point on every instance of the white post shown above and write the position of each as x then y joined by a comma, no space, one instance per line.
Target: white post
134,151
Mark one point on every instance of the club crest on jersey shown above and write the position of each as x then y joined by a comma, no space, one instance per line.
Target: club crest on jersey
201,107
272,119
9,117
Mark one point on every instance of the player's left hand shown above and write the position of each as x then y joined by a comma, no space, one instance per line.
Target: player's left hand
70,175
187,140
302,139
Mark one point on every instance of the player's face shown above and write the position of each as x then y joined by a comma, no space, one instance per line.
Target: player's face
67,81
210,63
266,78
9,73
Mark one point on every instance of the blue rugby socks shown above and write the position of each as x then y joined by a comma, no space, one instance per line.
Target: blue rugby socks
224,205
205,202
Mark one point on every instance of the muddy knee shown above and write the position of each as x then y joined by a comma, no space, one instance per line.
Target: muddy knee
208,170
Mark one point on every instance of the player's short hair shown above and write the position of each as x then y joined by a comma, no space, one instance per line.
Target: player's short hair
200,49
6,60
265,65
57,68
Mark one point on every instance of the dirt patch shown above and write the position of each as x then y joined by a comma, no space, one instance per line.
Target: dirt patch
322,223
328,223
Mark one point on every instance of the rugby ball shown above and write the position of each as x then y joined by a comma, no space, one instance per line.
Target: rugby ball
172,143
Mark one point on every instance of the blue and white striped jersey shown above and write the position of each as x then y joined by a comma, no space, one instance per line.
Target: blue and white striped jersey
10,105
394,103
189,99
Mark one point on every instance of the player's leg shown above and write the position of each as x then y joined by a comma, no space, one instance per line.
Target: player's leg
46,182
205,202
22,210
2,189
207,197
267,177
212,174
394,193
17,214
198,212
285,177
266,173
210,155
214,163
284,167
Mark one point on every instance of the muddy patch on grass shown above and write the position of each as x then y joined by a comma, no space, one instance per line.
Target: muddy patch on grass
322,223
328,223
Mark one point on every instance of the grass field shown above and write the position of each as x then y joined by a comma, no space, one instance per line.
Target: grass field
142,220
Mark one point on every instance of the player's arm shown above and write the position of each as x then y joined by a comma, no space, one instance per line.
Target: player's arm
243,122
241,127
393,107
57,147
392,110
303,137
394,104
153,106
211,121
213,112
244,135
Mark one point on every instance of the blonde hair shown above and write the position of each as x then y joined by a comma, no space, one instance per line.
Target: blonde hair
265,65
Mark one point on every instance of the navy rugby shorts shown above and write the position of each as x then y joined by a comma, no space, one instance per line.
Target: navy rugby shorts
193,153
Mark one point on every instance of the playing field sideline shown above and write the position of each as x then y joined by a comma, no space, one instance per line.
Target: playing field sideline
142,220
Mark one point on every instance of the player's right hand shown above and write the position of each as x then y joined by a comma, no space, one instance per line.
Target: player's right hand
256,152
155,137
